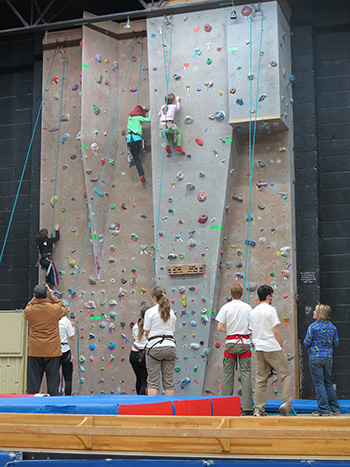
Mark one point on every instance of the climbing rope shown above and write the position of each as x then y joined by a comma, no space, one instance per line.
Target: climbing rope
58,140
139,88
252,139
101,178
26,159
167,77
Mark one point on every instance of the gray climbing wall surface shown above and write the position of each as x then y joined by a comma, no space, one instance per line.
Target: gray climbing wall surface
145,234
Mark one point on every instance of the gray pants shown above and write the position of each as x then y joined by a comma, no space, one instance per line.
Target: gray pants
265,361
245,373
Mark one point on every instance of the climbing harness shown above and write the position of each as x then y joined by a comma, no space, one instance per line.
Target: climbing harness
26,160
167,22
54,198
252,149
239,337
163,338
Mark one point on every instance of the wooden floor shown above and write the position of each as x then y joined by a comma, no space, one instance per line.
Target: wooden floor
300,436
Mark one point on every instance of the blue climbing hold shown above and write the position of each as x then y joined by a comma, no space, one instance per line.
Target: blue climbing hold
92,346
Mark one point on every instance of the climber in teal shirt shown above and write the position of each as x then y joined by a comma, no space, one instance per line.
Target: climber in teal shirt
320,339
134,138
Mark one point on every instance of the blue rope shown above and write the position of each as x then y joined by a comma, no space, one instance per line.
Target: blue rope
251,153
58,140
26,161
139,89
101,178
167,77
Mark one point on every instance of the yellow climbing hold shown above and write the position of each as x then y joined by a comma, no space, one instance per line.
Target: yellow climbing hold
53,200
183,300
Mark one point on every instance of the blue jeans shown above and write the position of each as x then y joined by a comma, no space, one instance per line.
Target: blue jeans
321,372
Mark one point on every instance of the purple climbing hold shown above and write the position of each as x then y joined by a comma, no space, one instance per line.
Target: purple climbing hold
232,91
98,58
133,59
273,63
133,89
75,87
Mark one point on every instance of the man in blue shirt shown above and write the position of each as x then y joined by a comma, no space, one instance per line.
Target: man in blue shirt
320,339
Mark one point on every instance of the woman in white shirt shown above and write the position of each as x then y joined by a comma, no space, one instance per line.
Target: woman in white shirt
67,331
137,353
159,327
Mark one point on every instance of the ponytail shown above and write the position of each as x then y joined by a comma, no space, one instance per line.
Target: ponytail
140,322
164,305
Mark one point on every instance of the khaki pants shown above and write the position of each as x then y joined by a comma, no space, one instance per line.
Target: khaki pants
245,373
265,361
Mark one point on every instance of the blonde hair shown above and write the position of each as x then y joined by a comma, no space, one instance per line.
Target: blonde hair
140,322
164,305
324,312
236,291
169,100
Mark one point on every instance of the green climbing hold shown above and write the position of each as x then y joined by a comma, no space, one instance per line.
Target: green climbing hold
113,206
177,369
206,352
195,368
111,161
96,109
209,61
53,200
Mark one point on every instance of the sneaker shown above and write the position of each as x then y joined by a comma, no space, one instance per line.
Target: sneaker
259,413
318,414
57,293
180,150
247,413
142,178
131,163
168,150
335,413
285,409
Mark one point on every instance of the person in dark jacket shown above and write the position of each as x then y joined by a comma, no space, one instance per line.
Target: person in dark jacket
45,245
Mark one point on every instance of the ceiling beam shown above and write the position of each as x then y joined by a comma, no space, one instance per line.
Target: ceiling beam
154,12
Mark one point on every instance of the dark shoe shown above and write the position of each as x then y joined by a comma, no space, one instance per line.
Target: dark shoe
131,163
247,413
285,409
319,414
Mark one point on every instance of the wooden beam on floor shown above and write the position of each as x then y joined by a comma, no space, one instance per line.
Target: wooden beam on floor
272,436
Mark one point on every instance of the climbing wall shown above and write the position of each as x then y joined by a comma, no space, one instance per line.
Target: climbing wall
102,260
189,191
185,228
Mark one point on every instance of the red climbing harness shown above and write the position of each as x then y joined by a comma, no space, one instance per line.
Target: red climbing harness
239,337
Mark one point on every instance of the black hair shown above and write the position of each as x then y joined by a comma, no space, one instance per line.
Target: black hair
264,291
40,291
42,234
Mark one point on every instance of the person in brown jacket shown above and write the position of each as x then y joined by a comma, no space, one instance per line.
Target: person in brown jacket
43,313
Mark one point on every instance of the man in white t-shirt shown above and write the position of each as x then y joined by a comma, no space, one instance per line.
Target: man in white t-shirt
269,351
67,332
233,319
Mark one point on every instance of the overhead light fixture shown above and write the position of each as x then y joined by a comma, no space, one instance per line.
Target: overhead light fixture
127,26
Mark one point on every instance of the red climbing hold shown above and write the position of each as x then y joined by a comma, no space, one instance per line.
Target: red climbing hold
207,28
199,141
155,68
246,11
202,219
201,196
103,161
218,345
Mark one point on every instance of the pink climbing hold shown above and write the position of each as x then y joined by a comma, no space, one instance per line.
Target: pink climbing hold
199,141
207,28
202,219
133,59
201,196
246,11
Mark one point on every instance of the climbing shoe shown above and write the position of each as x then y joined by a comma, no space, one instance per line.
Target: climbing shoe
142,179
179,149
168,150
259,413
285,409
